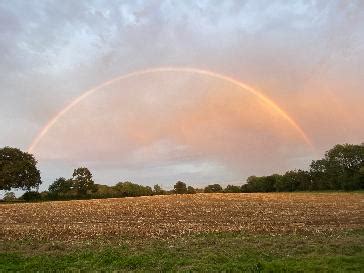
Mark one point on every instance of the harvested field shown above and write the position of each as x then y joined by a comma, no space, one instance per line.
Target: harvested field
176,215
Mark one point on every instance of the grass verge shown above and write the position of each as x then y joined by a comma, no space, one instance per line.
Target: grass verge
339,252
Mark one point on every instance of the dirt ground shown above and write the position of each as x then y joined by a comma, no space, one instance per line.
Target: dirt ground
176,215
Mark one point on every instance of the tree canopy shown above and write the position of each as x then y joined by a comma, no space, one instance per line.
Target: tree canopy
341,168
191,190
213,188
18,170
180,187
128,189
61,186
82,181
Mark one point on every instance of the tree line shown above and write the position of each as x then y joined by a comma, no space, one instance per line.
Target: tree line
341,168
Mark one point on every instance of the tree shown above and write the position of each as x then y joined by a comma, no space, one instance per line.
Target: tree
157,190
31,196
297,180
82,181
244,188
342,168
319,175
9,196
360,177
105,191
213,188
232,189
250,184
180,188
339,169
60,186
18,170
261,184
128,189
191,190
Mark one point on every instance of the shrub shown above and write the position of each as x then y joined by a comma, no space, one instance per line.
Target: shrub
9,196
31,196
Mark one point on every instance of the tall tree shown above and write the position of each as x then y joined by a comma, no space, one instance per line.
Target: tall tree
82,181
60,186
232,189
339,169
157,190
191,190
132,189
213,188
18,170
9,196
296,180
180,187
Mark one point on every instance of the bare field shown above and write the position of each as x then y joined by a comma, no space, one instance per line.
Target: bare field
176,215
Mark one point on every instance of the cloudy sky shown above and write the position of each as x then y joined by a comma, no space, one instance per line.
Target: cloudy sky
305,57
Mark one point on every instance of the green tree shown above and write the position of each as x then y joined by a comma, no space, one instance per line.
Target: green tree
60,186
180,187
105,191
319,175
253,184
342,168
268,183
9,196
360,178
213,188
297,180
250,184
128,189
232,189
82,181
261,184
18,170
339,169
157,190
31,196
191,190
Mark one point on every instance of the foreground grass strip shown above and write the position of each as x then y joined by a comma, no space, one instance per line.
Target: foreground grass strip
342,252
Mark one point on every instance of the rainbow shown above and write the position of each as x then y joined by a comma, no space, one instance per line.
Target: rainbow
211,74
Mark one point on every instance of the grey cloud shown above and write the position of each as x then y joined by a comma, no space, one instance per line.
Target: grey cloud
51,51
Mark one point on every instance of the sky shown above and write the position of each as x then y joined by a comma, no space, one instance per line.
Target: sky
302,59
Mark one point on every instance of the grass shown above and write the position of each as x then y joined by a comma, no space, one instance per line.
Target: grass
227,251
199,233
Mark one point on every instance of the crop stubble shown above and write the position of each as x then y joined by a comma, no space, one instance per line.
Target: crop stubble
177,215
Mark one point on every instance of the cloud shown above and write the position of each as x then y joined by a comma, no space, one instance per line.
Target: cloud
169,119
306,55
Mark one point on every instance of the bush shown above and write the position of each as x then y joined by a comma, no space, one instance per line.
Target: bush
232,189
180,187
31,196
213,188
191,190
129,189
9,196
